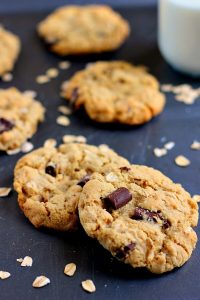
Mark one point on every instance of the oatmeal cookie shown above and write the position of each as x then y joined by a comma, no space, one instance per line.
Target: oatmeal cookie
115,92
141,217
19,118
83,29
49,181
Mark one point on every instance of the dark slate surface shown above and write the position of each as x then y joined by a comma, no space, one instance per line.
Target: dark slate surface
51,250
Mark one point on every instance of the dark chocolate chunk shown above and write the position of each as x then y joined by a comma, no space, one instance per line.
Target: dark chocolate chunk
84,180
5,125
122,253
51,170
118,198
125,169
151,216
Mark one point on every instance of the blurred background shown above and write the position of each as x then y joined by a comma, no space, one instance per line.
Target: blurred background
19,5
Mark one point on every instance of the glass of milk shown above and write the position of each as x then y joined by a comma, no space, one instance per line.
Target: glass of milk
179,34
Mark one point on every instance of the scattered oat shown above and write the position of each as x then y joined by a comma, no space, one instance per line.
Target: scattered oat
27,147
169,145
63,121
50,143
182,161
159,152
183,93
88,286
104,147
27,262
20,260
7,77
196,198
74,139
5,191
41,79
111,177
63,65
64,110
40,281
195,145
4,275
13,152
70,269
30,93
52,73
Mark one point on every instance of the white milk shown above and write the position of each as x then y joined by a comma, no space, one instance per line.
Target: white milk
179,34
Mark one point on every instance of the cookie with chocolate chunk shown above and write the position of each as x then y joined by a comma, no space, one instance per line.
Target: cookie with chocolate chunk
19,118
49,181
9,50
141,217
115,92
83,29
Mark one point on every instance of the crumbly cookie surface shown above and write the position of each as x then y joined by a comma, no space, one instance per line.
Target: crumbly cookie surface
49,181
19,118
9,50
141,217
83,29
115,92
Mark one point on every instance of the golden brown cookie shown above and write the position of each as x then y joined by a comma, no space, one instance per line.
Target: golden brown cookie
49,181
9,50
19,118
115,92
141,217
83,29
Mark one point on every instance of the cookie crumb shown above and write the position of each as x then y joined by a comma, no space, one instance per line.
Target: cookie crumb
27,147
13,152
169,145
64,65
196,198
195,145
182,161
4,191
74,139
63,121
52,73
40,281
41,79
27,262
4,275
30,93
7,77
64,110
88,286
50,143
159,152
70,269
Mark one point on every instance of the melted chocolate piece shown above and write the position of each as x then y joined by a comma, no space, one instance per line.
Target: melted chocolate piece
50,169
118,198
84,180
5,125
151,216
122,253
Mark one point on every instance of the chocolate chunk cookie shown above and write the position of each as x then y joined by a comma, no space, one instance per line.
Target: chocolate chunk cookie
141,217
83,29
49,181
9,50
19,118
115,92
